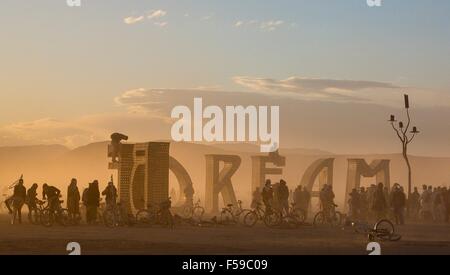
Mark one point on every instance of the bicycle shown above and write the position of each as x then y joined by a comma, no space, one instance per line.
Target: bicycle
193,211
298,212
59,215
383,230
154,215
227,216
293,218
331,217
147,216
240,212
269,217
35,216
113,216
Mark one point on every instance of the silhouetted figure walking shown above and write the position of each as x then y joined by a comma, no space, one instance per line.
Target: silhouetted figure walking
414,204
256,198
32,201
379,206
73,199
93,202
354,204
110,194
426,204
267,195
398,204
19,197
283,197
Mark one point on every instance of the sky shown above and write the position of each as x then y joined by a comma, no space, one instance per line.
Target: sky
337,69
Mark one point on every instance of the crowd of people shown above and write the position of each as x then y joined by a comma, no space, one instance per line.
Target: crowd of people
378,201
373,203
90,198
278,197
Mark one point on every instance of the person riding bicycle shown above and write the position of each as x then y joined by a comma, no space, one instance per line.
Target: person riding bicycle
52,194
73,199
18,200
110,194
32,200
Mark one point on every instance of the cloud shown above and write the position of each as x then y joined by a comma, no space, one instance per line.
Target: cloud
133,19
316,88
83,130
271,25
156,14
239,23
267,26
355,125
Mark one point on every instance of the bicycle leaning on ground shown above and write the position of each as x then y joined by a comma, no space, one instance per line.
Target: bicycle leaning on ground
383,230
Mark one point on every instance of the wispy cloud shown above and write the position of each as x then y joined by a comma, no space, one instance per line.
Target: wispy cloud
239,23
152,15
133,19
157,14
271,25
319,88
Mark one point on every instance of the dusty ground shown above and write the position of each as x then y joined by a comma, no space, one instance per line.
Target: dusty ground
29,239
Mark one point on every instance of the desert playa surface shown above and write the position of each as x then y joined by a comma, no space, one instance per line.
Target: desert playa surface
94,240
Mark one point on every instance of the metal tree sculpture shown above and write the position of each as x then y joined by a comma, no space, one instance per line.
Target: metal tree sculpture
406,138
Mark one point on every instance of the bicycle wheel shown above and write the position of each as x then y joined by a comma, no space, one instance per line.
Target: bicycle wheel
319,219
187,212
198,212
250,219
384,229
273,219
47,219
395,237
110,219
